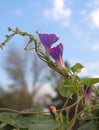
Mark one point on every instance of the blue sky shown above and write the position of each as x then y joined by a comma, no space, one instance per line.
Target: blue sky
76,22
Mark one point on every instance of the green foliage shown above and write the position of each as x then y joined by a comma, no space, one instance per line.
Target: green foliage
6,118
2,125
45,124
90,81
30,122
22,121
88,126
66,88
76,68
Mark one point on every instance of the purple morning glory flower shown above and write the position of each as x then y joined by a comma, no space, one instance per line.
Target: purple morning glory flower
56,53
47,40
87,95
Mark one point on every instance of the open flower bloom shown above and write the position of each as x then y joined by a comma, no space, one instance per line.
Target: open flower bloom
87,95
56,53
47,40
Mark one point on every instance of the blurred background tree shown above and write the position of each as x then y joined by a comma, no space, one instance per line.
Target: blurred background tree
24,71
27,75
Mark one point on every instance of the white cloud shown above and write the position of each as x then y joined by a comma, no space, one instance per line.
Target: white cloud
95,17
95,47
95,75
59,12
44,94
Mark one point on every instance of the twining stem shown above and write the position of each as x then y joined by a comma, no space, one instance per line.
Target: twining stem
64,106
85,109
67,115
72,105
29,113
76,111
8,39
20,112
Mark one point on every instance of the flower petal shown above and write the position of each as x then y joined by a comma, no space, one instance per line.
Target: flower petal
48,39
56,53
87,95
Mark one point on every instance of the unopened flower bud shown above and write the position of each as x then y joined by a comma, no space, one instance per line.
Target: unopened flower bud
52,110
9,29
17,30
87,94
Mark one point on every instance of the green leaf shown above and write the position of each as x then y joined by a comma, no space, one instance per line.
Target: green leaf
39,118
88,126
23,129
74,88
64,91
66,88
76,68
2,125
19,129
7,118
62,87
42,122
26,121
23,121
7,127
89,117
44,125
90,81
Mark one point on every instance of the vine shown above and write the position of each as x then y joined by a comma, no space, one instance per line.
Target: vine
71,85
